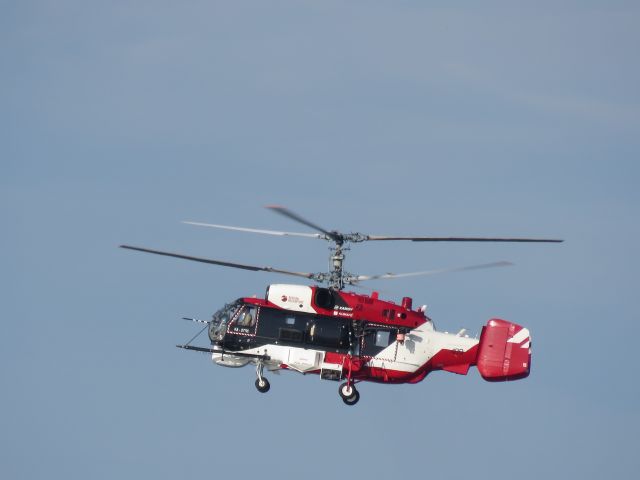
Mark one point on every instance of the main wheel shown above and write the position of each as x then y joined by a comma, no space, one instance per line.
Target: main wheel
346,390
352,400
264,386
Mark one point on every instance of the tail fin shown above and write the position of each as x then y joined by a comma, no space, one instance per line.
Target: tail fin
504,352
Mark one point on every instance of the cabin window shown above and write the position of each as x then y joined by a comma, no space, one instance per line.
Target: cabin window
376,340
382,338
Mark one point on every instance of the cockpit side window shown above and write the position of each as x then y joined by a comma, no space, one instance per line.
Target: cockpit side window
245,320
248,316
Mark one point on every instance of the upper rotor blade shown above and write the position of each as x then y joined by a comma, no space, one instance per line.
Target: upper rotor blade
294,216
463,239
220,262
360,278
256,230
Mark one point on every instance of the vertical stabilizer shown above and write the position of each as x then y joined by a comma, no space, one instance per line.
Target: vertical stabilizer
504,352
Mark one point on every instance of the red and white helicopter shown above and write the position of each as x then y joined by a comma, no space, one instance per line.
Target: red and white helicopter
351,337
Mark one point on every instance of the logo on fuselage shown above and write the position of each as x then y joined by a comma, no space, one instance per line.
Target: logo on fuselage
290,299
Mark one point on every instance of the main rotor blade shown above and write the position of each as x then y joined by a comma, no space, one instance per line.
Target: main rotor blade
256,230
360,278
297,218
463,239
220,262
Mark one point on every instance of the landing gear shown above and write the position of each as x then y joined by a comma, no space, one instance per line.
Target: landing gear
262,384
349,394
347,390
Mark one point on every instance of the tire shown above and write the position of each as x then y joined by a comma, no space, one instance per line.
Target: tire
353,399
345,391
264,387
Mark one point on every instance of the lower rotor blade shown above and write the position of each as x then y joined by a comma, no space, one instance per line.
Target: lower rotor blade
220,262
360,278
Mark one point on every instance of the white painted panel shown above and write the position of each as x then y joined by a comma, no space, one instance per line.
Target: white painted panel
291,297
300,356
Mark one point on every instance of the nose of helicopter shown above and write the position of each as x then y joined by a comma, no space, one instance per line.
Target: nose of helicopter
216,332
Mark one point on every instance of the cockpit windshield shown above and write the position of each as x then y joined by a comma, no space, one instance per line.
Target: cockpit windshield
221,319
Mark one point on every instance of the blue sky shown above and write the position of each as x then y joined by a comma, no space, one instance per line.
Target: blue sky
119,120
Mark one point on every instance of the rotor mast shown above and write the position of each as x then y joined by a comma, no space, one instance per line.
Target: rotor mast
337,258
335,277
338,278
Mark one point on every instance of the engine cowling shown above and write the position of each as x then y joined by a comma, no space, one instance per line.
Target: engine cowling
504,352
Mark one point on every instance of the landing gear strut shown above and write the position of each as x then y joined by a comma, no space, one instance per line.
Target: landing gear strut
262,384
347,390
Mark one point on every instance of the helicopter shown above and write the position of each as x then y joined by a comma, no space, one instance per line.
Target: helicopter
349,337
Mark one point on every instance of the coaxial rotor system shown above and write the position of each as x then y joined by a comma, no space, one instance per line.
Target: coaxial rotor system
336,277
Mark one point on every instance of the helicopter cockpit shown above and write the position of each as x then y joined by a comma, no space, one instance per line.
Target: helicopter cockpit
220,321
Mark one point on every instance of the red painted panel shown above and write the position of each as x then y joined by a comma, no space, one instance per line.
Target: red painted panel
504,352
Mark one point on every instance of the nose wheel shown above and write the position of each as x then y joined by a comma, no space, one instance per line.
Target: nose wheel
262,384
349,394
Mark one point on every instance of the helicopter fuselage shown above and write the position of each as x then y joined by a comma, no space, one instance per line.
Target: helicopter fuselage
338,334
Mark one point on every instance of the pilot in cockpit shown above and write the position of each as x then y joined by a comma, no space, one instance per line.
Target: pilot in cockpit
246,318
